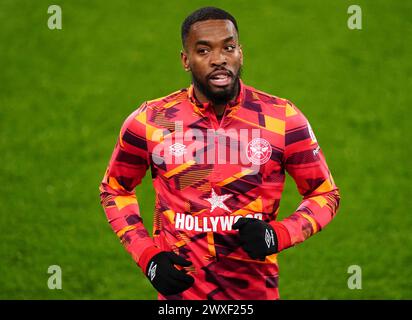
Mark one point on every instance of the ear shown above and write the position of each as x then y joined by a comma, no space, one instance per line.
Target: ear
241,54
185,60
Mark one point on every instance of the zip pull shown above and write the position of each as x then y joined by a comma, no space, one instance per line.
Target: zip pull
223,116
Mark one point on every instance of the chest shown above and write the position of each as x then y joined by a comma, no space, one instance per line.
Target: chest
237,144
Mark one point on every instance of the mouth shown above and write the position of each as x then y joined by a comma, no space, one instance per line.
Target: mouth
220,78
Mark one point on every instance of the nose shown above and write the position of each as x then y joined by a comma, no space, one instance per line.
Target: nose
218,59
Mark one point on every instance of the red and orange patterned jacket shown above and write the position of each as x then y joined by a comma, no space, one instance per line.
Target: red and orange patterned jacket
208,173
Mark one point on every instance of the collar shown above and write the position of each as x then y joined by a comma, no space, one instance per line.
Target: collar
203,107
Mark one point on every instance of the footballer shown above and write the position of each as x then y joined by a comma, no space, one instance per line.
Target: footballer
218,152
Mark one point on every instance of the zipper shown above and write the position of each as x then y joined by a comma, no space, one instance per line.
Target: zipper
216,173
214,122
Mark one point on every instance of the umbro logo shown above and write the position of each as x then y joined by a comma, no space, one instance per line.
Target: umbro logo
316,151
269,238
152,271
312,135
177,149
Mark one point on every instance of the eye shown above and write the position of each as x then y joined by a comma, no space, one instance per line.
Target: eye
230,47
202,51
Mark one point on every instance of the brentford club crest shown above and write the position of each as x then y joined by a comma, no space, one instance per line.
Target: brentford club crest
258,151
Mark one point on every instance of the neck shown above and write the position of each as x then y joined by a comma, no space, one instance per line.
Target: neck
218,107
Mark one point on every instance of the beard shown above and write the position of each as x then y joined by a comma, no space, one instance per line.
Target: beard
221,96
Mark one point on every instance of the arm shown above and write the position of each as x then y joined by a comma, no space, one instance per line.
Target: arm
127,167
305,162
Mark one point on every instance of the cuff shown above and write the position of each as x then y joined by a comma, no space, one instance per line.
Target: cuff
282,234
146,256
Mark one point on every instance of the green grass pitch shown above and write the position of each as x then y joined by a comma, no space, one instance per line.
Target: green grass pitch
65,93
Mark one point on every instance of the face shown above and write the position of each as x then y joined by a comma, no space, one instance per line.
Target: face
214,57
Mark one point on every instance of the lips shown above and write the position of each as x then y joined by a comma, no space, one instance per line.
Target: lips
220,78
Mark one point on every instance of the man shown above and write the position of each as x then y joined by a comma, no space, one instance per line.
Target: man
218,152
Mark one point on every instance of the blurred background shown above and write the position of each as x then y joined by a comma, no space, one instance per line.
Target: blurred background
65,93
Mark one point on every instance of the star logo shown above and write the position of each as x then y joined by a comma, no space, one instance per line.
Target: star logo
218,201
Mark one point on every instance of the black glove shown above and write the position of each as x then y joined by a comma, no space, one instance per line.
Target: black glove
165,277
257,237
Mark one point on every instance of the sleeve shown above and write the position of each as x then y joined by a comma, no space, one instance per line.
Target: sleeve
127,167
306,164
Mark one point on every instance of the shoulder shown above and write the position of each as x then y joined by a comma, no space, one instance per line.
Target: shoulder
291,114
264,97
168,100
283,108
147,107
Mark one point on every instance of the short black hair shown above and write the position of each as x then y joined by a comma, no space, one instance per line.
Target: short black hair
203,14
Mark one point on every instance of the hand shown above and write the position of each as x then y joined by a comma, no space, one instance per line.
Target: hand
165,277
257,237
